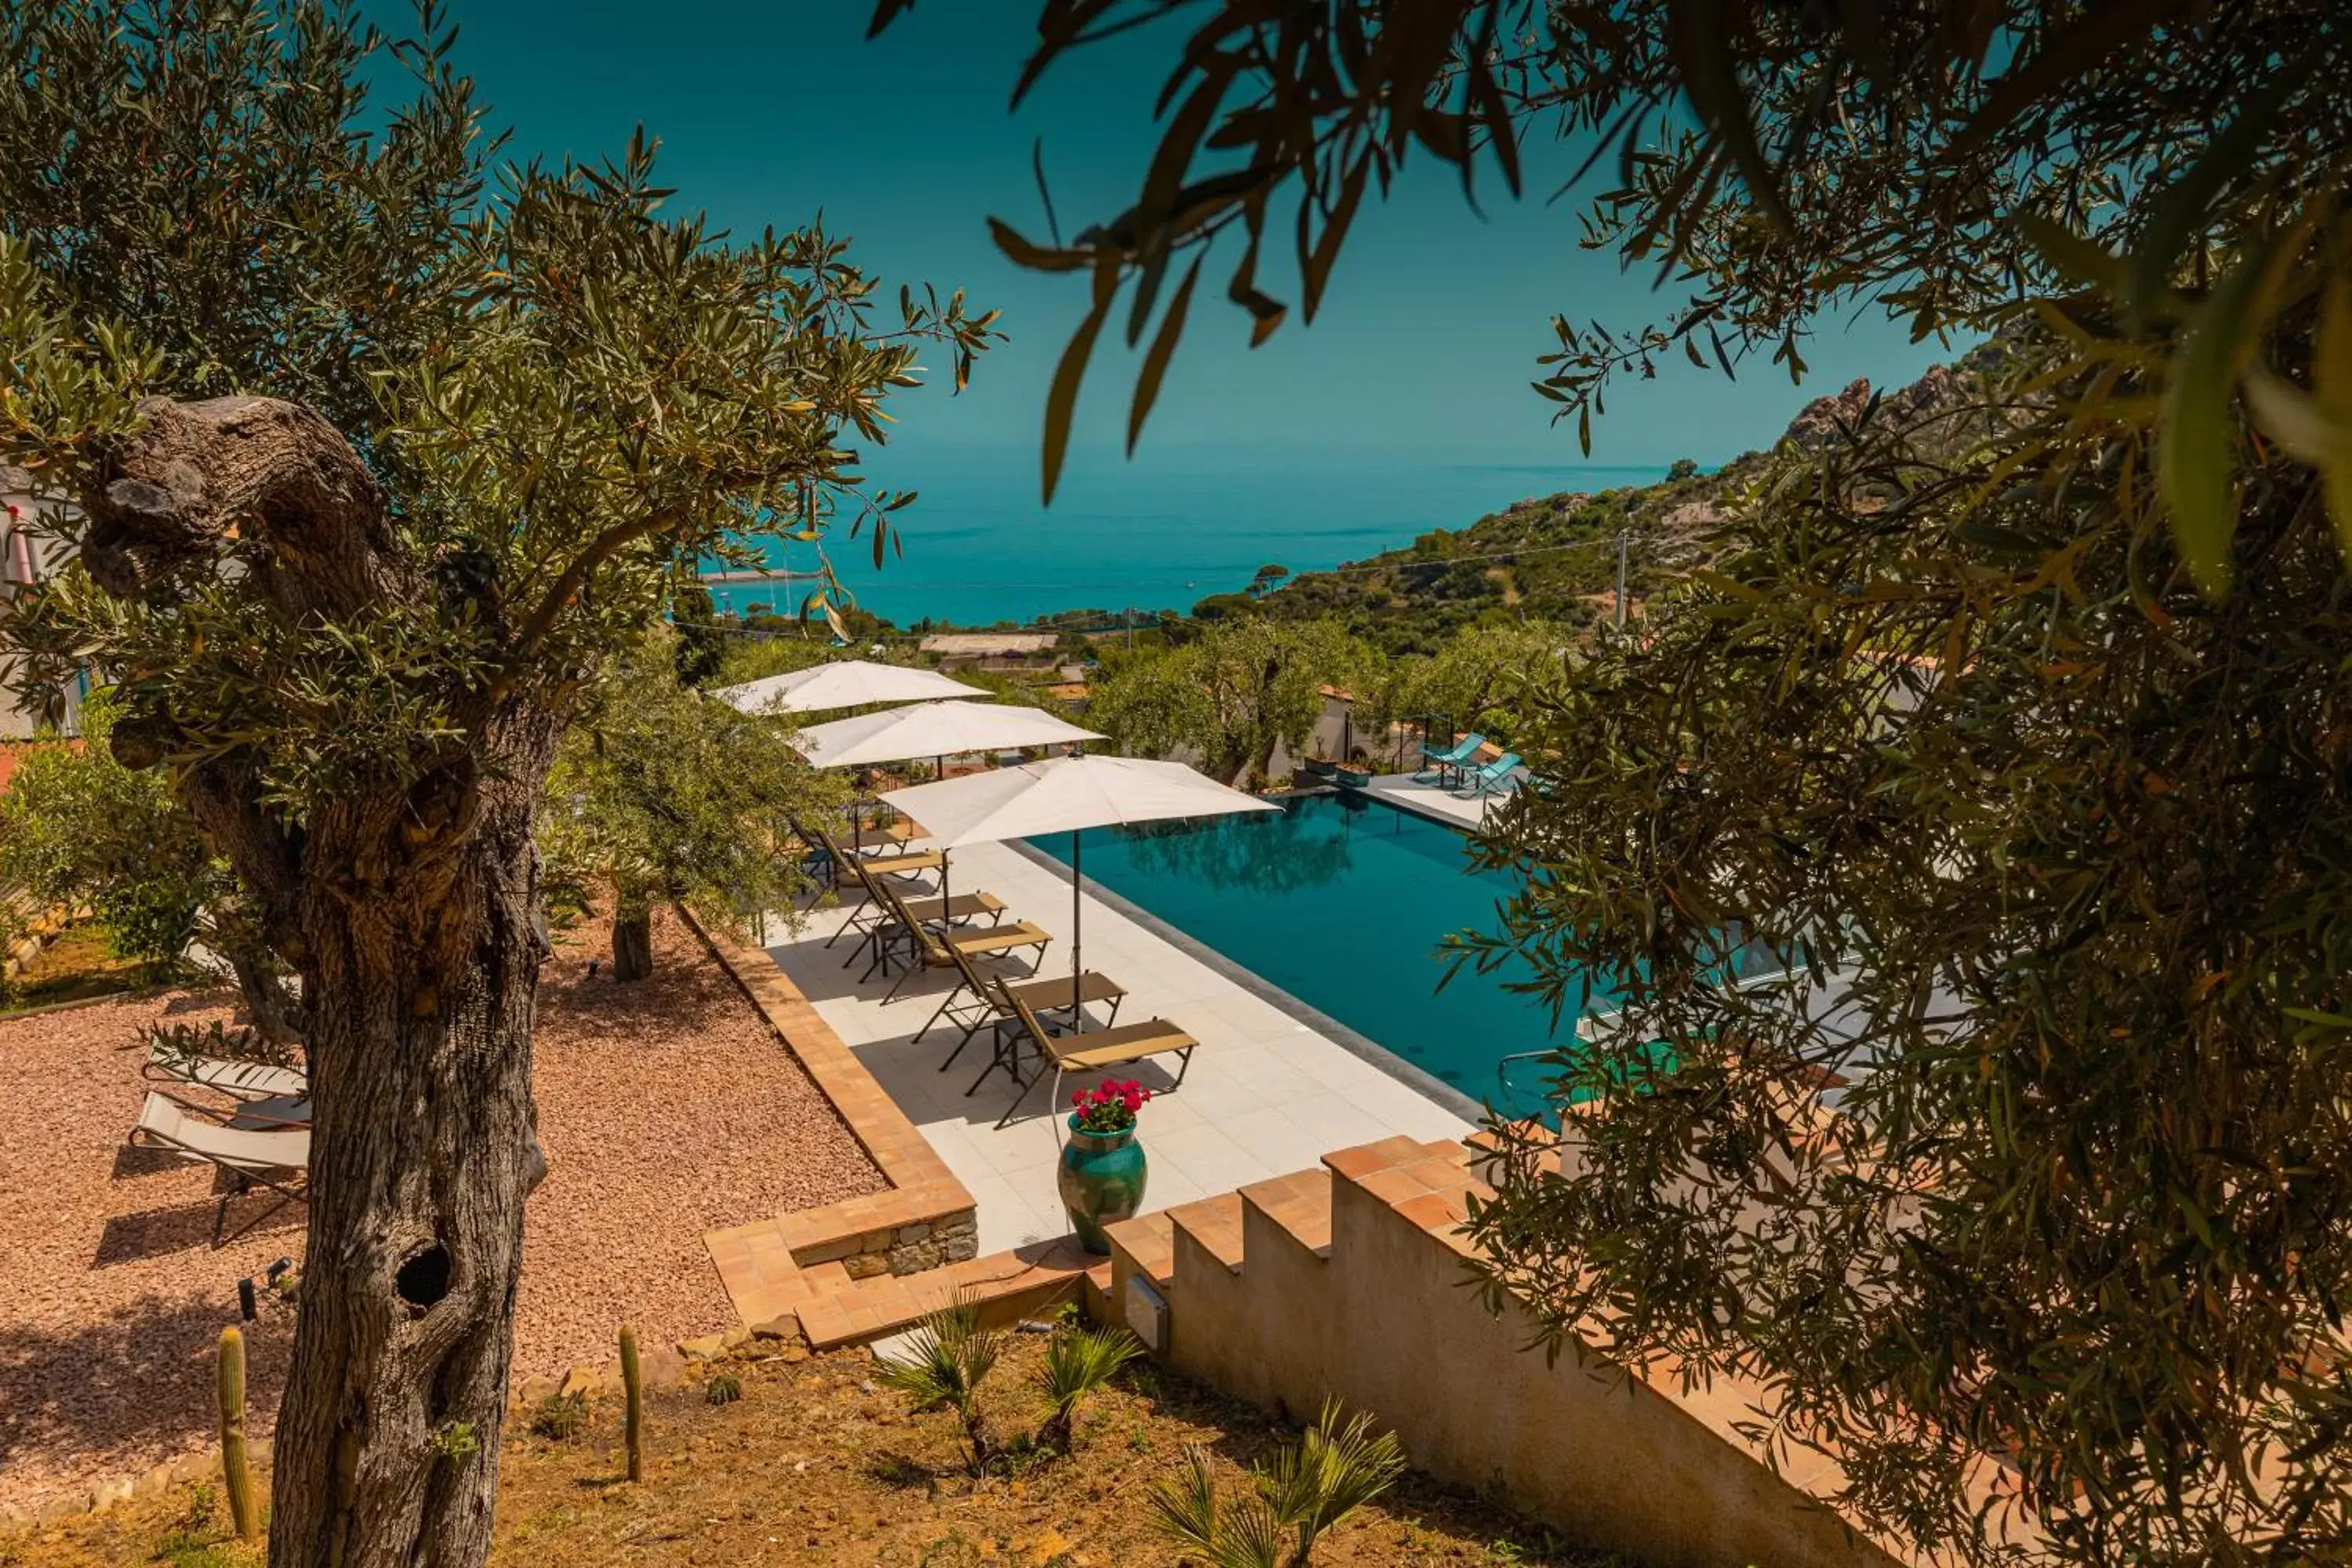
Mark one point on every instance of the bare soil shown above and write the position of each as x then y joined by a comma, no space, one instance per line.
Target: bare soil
818,1464
667,1107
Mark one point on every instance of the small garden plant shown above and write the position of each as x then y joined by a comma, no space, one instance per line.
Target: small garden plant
1080,1359
951,1354
1338,1466
560,1417
1110,1107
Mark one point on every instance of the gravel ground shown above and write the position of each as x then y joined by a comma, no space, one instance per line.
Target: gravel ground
668,1108
665,1108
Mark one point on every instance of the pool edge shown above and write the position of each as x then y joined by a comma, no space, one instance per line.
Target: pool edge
1370,1052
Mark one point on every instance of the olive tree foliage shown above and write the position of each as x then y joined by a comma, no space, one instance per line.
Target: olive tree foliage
374,458
661,792
79,830
1478,678
1231,696
2023,737
746,657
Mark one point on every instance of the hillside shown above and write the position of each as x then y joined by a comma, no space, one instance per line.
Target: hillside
1554,557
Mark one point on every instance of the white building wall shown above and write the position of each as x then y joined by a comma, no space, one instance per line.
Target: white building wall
29,553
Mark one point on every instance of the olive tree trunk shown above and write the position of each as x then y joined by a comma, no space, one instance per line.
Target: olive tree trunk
633,943
420,1082
406,897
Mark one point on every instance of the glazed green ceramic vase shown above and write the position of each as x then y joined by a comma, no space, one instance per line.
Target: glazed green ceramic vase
1101,1180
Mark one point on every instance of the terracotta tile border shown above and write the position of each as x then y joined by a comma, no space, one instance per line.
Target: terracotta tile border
924,1219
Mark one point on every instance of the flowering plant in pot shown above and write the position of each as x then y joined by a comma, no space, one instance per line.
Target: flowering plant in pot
1109,1107
1103,1170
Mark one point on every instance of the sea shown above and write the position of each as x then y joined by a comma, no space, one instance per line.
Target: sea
1162,533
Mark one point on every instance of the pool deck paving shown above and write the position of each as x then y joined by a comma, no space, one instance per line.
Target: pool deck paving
1266,1094
1420,794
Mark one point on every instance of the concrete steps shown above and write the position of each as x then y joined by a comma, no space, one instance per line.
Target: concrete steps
1345,1282
1148,1245
1292,1211
1296,1207
827,1304
1212,1225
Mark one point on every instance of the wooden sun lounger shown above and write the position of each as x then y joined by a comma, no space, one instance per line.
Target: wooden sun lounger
860,871
878,921
848,869
957,909
887,917
1061,993
935,949
880,837
1088,1052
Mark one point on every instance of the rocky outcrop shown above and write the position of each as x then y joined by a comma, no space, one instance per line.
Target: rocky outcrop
1925,408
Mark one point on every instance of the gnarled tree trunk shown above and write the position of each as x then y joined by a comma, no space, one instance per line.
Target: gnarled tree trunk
407,906
420,1047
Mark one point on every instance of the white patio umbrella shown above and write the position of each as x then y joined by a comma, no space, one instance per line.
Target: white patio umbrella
931,730
1067,794
843,683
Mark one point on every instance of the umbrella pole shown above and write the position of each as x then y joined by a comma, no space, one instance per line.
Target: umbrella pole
1077,937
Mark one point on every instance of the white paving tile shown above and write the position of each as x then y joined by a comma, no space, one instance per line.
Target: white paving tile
1265,1094
1208,1156
1423,796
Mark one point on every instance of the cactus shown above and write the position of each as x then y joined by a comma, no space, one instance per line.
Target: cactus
632,1385
238,1477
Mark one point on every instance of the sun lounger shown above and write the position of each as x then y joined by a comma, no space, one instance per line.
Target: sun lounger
885,837
1089,1052
859,871
929,947
238,1080
1061,993
276,1157
1484,781
880,918
873,865
1444,759
886,910
887,856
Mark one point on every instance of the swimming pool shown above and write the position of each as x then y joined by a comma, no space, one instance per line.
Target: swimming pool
1341,901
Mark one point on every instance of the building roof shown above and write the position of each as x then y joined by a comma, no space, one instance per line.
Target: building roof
985,643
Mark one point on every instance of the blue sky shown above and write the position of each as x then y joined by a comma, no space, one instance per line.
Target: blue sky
768,112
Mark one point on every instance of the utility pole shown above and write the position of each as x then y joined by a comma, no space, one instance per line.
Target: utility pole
1622,535
1129,612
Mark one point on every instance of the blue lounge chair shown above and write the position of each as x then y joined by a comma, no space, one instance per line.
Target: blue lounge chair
1483,781
1444,758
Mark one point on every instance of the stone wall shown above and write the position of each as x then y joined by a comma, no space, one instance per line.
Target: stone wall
1372,1306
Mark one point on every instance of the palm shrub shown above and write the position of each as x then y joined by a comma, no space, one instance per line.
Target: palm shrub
1339,1464
950,1356
1078,1360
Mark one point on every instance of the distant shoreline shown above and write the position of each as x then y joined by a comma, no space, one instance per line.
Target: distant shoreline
979,552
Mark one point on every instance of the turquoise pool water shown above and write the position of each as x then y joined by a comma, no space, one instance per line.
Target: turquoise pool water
1341,902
